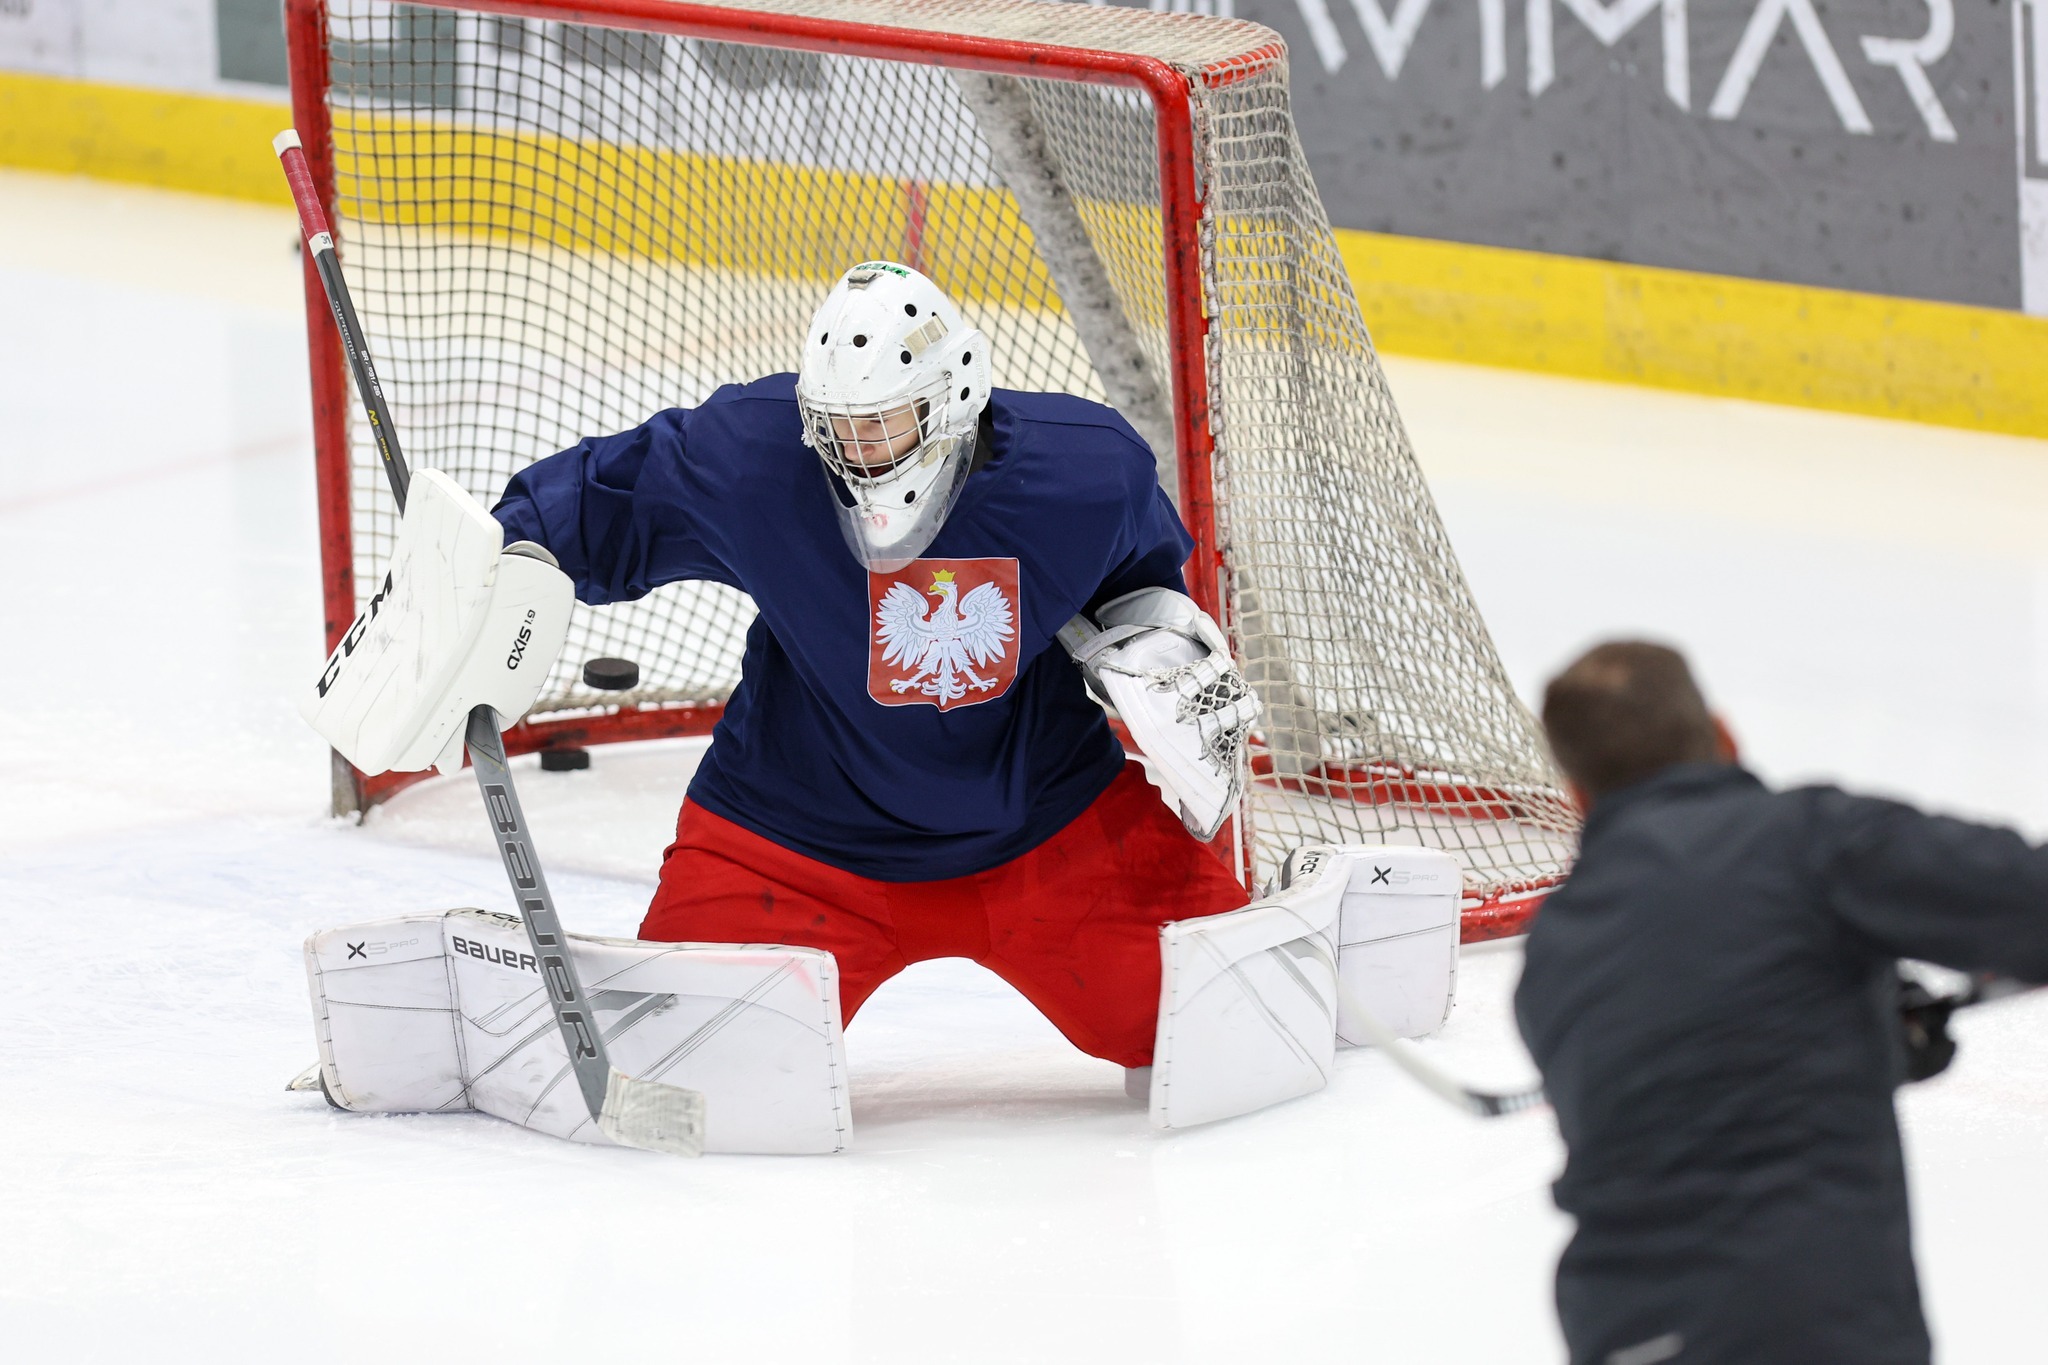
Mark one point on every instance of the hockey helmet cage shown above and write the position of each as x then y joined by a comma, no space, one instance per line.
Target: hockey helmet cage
891,387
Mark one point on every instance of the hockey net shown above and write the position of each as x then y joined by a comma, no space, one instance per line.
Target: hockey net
556,229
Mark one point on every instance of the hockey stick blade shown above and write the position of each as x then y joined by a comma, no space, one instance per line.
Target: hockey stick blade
652,1116
1485,1104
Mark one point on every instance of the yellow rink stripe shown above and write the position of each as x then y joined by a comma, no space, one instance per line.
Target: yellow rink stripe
204,143
1982,368
683,207
1969,367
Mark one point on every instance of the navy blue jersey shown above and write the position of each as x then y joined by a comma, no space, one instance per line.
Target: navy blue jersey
909,726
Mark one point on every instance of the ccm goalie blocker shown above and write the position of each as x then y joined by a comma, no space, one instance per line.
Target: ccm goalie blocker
445,1013
1165,666
461,620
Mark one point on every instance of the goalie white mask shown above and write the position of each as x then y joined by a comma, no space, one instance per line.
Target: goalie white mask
891,388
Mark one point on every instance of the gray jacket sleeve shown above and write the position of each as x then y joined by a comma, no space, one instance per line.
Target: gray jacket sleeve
1971,897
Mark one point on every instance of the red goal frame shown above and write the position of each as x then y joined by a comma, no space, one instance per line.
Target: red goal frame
1502,913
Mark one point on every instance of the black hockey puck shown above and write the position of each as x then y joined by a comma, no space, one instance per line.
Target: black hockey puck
611,675
564,760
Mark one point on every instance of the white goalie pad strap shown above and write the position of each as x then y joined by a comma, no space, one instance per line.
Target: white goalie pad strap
459,622
1247,1012
446,1012
1397,936
1166,667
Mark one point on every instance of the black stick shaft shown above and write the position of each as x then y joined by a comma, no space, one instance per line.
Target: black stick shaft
382,428
587,1055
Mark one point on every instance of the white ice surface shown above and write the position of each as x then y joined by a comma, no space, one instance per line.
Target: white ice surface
1867,601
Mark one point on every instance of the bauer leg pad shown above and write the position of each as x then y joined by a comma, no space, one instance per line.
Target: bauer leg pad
446,1012
1397,938
1247,1014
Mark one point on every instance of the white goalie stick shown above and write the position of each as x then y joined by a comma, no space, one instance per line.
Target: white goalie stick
1923,1018
633,1113
1485,1104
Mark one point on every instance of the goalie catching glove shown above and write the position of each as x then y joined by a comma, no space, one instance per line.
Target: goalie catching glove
461,620
1165,666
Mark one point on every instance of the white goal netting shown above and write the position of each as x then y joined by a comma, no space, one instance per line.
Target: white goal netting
554,230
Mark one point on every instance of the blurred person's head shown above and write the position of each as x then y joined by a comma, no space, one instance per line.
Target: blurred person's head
1625,711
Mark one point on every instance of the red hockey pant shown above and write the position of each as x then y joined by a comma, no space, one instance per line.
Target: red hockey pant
1073,924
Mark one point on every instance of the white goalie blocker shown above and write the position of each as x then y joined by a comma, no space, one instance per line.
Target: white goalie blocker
445,1013
461,620
1359,944
1165,666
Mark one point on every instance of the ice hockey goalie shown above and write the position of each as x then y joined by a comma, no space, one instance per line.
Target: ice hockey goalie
911,766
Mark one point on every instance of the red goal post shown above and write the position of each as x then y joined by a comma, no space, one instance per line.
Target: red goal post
479,154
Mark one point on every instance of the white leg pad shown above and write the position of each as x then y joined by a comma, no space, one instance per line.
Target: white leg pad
1397,938
1247,1013
445,1012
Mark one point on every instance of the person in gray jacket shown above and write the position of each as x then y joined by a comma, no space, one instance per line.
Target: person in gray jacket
1713,1001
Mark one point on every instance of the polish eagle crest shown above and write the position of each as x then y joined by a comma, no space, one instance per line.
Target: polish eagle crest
942,648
